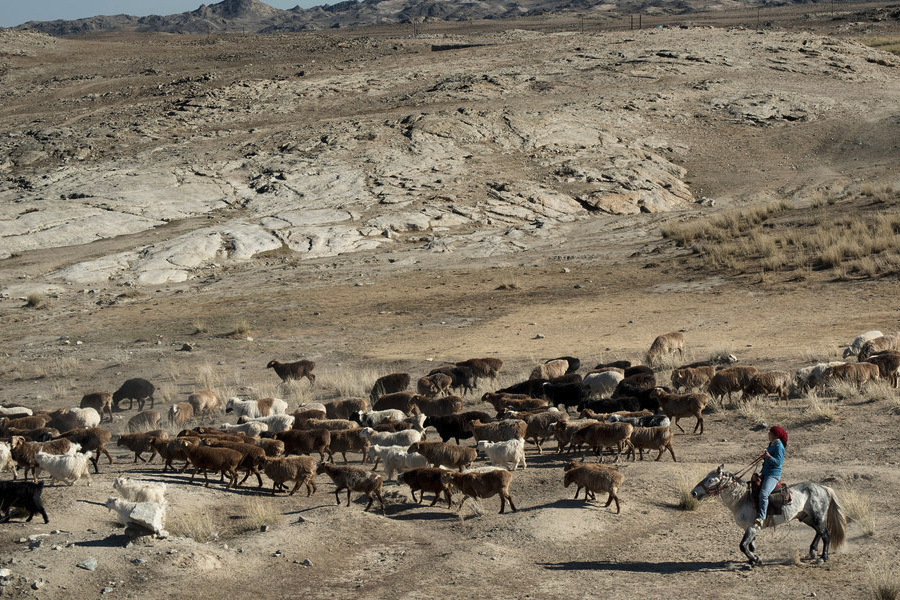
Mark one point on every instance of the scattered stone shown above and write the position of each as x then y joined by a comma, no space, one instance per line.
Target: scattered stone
186,348
138,561
307,562
106,590
38,584
539,336
88,564
264,528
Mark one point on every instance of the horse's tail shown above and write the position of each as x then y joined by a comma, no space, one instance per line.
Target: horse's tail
836,521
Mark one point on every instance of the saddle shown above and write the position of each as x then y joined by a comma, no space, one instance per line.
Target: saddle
780,496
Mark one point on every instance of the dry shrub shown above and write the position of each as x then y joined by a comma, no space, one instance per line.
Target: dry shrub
683,488
241,328
199,525
753,410
845,390
35,300
819,408
200,327
878,390
884,579
254,513
859,510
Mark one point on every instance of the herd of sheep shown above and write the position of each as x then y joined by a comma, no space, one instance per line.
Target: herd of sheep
614,408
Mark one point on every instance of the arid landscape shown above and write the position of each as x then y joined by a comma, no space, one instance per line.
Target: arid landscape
186,208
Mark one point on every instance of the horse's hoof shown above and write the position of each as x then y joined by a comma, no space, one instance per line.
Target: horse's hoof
821,561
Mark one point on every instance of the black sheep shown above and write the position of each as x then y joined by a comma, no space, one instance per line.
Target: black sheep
24,495
134,389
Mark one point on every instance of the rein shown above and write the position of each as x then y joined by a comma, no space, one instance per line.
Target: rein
718,488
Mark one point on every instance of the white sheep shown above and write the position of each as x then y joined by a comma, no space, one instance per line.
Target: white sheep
253,409
275,423
504,453
857,344
372,418
65,468
251,428
407,437
6,461
397,459
148,515
140,491
602,384
15,411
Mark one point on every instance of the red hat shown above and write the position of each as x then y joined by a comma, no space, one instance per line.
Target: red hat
780,433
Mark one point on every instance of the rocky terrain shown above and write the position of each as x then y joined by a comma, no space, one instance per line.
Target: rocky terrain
383,199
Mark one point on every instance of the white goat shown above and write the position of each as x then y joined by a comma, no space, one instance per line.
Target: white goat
65,468
275,423
256,408
407,437
504,453
251,428
140,491
397,459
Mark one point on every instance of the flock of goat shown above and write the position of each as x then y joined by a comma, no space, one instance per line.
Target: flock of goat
621,408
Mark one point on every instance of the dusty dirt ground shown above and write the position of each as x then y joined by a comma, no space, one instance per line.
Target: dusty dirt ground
602,290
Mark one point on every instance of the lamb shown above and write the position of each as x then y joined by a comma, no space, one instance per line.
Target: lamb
691,378
768,382
372,418
254,409
294,370
353,479
487,368
140,442
602,383
603,435
441,454
91,439
460,377
273,423
857,344
385,438
550,370
205,402
342,409
252,428
66,419
482,485
99,401
857,374
299,469
349,440
146,420
224,460
434,385
504,453
136,490
454,426
501,400
22,495
172,449
666,345
389,384
181,414
397,459
594,479
878,345
651,438
425,479
134,389
433,407
683,405
730,379
398,401
888,365
66,468
499,431
25,452
305,442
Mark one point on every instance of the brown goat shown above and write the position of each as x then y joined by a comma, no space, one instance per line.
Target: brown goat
353,479
294,370
676,406
483,484
99,401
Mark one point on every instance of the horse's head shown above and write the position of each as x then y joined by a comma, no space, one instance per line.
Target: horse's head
714,482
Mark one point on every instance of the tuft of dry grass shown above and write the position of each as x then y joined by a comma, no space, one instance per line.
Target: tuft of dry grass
753,410
884,579
859,510
200,327
198,525
254,513
35,300
844,390
819,408
875,391
683,488
241,328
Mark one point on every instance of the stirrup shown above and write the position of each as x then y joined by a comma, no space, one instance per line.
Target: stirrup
758,523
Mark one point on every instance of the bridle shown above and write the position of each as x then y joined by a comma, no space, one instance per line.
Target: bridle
719,487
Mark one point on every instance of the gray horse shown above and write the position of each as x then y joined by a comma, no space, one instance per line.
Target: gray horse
813,504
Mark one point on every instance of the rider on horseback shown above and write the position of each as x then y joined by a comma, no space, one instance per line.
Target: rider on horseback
771,470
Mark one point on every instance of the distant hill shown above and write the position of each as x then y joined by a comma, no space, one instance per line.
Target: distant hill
253,16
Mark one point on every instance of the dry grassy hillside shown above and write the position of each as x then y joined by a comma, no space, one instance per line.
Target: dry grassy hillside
357,199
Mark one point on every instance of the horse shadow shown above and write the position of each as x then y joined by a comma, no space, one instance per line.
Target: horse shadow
662,568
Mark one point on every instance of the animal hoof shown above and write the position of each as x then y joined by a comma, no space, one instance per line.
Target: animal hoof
820,561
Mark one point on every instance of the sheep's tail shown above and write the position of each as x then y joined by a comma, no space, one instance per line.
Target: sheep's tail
836,521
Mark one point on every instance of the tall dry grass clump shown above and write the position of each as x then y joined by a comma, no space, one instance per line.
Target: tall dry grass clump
820,408
254,513
884,579
35,300
683,487
859,510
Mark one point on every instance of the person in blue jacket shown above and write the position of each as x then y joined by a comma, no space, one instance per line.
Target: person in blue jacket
773,461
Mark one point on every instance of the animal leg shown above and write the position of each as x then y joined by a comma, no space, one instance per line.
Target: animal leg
348,496
679,426
371,500
511,505
747,542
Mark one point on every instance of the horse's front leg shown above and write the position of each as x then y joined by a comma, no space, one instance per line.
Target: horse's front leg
748,545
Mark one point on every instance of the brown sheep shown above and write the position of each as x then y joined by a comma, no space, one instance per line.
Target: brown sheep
303,415
294,370
692,378
888,365
564,432
487,368
349,440
501,400
729,380
484,484
299,469
99,401
651,438
273,448
181,414
25,453
389,384
768,382
877,346
398,400
306,442
353,479
437,407
91,438
603,435
682,405
665,346
441,454
170,449
541,426
425,479
330,424
32,422
499,431
205,402
551,370
140,442
252,457
223,460
146,420
857,374
342,409
596,478
434,385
